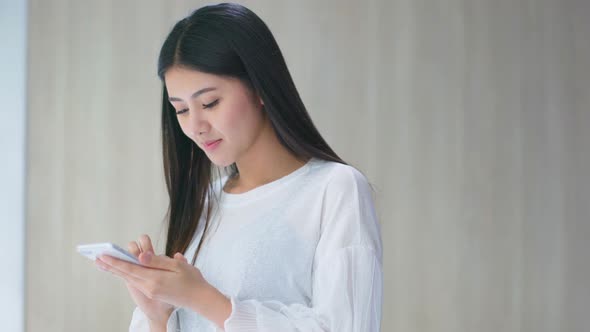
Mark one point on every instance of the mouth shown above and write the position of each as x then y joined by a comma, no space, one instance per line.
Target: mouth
208,143
212,144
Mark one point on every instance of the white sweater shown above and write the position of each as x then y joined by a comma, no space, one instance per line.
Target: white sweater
302,253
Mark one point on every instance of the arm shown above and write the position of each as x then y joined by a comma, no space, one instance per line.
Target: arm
343,301
216,307
347,271
155,328
141,323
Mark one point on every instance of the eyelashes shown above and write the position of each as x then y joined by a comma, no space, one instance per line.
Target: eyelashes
210,105
205,106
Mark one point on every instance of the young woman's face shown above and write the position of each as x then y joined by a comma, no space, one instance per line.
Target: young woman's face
220,114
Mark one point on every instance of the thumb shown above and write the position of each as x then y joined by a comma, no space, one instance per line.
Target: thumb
180,257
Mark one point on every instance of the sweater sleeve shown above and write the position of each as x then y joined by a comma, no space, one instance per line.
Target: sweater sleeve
347,270
139,322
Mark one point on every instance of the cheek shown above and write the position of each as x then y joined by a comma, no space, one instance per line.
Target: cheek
241,124
231,123
187,128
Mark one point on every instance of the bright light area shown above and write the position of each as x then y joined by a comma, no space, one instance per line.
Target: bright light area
13,35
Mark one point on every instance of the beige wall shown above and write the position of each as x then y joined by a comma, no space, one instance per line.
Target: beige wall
470,118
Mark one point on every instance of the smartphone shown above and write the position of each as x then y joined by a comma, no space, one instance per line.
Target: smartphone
94,250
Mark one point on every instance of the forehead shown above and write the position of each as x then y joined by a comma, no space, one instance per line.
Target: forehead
182,83
179,79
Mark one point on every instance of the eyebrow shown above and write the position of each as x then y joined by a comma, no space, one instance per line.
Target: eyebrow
194,95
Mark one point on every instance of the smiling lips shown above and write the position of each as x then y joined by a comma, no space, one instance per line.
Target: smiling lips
210,145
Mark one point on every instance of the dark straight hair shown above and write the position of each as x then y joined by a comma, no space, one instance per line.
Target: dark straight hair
227,40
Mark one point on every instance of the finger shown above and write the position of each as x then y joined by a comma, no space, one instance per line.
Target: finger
138,271
162,262
115,271
146,243
133,248
180,257
102,266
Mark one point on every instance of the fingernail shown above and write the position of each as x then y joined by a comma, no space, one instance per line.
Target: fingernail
100,266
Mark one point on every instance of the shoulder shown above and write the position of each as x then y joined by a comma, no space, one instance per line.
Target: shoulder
349,217
343,178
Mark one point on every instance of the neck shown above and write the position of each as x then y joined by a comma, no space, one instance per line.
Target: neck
265,161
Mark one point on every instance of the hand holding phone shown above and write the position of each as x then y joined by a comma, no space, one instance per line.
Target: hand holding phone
94,250
155,310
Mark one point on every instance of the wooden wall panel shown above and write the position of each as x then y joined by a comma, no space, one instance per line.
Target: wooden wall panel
469,117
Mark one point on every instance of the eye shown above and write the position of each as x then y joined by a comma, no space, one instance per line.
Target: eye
182,111
211,105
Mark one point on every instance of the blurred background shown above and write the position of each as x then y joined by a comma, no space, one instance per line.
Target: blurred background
470,118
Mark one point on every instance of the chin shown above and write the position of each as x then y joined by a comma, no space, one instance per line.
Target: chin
221,162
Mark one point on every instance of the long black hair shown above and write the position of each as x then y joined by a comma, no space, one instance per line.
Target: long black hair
228,40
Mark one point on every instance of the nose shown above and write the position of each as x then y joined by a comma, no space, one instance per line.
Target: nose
196,124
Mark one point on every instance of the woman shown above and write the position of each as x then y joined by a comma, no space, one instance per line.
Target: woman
286,239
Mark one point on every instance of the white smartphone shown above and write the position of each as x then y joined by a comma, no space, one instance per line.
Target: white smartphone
92,251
